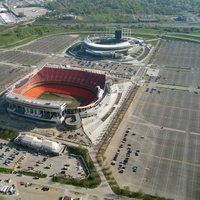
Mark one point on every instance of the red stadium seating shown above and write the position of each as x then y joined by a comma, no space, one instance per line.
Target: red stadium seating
83,78
36,91
63,81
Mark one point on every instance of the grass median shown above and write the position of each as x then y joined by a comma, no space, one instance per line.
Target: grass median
34,174
5,170
25,173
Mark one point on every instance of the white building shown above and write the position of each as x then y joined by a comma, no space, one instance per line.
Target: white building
39,144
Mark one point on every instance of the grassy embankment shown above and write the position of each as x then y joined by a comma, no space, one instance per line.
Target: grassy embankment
23,34
8,134
19,35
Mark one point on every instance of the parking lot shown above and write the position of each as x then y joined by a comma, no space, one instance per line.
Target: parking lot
30,12
158,151
118,69
173,77
21,58
178,54
171,108
10,74
51,44
21,158
178,63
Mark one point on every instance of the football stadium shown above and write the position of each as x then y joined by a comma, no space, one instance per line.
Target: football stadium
53,93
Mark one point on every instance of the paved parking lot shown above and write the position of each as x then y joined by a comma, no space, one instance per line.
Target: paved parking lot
68,165
51,44
175,109
10,74
164,131
178,63
179,54
114,68
21,58
29,160
174,77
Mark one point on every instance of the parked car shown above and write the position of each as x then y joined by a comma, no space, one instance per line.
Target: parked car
135,168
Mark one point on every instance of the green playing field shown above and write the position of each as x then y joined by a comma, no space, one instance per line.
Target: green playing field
71,100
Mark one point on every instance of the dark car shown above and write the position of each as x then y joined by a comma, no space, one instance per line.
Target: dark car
44,159
125,162
135,168
113,162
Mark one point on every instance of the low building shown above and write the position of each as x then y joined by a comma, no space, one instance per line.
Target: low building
180,18
2,9
69,17
44,145
148,19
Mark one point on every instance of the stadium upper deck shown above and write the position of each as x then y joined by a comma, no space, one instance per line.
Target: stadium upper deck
22,99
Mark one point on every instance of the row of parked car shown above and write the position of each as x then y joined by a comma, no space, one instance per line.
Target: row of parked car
9,159
152,90
123,163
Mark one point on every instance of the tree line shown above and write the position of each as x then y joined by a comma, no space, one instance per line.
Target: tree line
95,7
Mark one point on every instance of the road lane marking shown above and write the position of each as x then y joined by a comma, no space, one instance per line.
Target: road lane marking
175,107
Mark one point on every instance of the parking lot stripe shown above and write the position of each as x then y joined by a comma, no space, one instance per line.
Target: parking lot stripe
158,166
156,126
173,160
147,164
170,165
175,107
194,133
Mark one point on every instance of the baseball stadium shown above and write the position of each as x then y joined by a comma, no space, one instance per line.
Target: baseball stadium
118,45
53,92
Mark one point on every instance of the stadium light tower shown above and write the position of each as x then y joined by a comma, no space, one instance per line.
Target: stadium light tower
126,33
109,32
